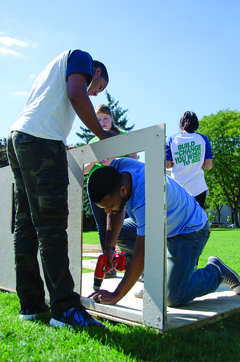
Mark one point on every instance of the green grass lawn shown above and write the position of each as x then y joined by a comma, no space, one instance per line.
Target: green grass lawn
91,237
224,243
36,341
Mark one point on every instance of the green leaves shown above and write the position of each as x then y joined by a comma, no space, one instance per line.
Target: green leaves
223,131
3,153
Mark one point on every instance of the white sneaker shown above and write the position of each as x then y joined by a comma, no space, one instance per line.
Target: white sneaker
138,294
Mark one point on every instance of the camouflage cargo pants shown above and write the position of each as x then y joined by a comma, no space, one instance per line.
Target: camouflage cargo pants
41,179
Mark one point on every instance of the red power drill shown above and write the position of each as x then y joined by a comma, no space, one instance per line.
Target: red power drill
102,267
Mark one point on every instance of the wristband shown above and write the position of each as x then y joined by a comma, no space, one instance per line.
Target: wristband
110,247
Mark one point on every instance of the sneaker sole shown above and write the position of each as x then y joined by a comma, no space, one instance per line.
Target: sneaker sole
55,323
138,295
236,289
27,317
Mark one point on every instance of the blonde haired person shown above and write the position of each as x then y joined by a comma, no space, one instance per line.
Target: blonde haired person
105,118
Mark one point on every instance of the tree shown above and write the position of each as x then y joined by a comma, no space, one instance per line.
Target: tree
223,131
215,199
119,118
118,113
211,217
3,153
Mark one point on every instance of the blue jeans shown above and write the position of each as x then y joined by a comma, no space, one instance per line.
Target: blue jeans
183,284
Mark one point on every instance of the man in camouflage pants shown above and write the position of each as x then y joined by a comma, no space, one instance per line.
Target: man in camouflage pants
37,156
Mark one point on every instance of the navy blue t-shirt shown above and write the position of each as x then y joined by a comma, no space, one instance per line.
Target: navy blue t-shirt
80,62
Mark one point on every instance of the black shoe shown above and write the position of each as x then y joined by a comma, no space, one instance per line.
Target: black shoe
78,317
230,277
31,314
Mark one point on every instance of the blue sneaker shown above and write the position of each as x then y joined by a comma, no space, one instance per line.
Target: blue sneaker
230,277
32,314
78,317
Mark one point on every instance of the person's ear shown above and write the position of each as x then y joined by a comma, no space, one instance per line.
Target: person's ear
98,71
123,190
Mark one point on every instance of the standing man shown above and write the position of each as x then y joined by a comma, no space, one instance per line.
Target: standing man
37,156
122,186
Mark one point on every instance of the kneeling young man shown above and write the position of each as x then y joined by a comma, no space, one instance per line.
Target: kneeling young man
120,187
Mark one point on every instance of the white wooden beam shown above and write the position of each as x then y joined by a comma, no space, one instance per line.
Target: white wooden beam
152,141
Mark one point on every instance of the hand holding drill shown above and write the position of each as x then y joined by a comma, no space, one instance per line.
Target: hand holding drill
119,262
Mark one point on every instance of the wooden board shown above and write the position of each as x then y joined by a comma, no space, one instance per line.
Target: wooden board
201,311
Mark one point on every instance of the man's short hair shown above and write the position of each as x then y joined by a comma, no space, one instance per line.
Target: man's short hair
102,182
104,73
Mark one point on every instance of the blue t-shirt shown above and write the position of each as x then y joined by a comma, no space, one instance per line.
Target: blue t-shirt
135,206
80,62
184,214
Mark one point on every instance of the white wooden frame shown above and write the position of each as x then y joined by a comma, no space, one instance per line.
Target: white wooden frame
152,141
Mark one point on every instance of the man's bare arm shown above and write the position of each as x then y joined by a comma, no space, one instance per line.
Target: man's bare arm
134,269
77,94
169,164
114,226
133,155
207,164
88,167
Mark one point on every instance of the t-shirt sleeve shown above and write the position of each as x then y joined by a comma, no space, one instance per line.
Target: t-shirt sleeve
80,62
168,149
140,217
208,149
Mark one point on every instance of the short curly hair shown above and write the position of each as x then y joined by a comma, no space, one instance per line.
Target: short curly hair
104,181
104,72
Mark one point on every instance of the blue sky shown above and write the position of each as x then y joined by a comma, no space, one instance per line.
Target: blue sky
163,57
